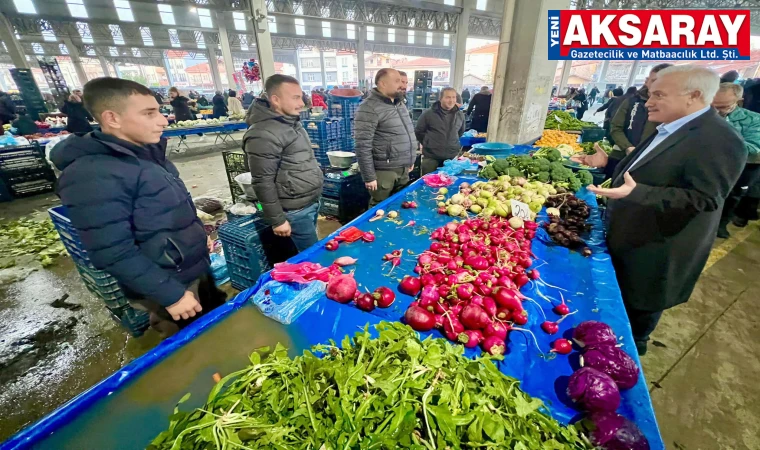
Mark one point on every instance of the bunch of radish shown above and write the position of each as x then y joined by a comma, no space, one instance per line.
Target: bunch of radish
469,281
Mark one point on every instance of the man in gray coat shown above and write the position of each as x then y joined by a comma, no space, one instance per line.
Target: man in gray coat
285,173
385,143
438,130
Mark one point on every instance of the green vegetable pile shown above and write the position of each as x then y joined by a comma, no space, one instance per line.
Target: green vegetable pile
389,392
568,122
30,237
588,147
539,167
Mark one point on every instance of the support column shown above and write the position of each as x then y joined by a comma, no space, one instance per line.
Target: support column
298,66
361,72
224,41
460,45
603,74
566,67
322,66
263,38
104,66
213,65
167,68
524,72
16,52
632,75
74,55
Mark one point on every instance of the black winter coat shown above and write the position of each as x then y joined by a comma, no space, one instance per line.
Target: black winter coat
285,173
181,108
660,235
439,131
220,106
133,213
481,104
7,109
78,117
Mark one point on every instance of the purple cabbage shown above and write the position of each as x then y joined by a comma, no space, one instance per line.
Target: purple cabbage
592,333
593,390
612,431
614,362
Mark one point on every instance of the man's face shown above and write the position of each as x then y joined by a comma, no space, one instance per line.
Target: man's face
448,100
288,99
651,78
138,120
725,102
668,100
390,84
77,92
173,94
404,83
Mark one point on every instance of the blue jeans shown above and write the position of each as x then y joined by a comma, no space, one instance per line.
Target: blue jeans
303,226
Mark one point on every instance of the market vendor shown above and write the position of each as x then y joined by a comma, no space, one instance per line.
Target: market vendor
438,131
284,170
385,144
131,209
78,117
480,110
24,125
667,196
181,105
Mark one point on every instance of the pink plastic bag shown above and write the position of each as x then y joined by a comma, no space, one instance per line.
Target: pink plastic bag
438,179
304,272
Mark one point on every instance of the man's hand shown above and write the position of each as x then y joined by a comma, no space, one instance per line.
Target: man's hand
629,150
411,168
210,244
371,186
282,230
185,308
618,192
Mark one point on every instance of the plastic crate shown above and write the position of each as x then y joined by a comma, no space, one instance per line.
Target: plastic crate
348,145
592,134
321,148
325,130
344,198
344,107
134,320
104,286
26,184
305,114
5,194
235,163
251,248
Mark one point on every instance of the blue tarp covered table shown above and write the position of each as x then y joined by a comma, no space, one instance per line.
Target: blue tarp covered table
224,131
106,417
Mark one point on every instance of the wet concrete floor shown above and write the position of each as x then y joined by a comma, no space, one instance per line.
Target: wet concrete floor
701,368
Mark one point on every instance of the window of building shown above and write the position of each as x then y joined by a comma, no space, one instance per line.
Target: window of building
243,42
300,27
118,38
167,14
272,24
332,76
351,31
76,8
113,51
411,37
25,6
49,35
205,17
136,52
84,32
64,50
310,76
37,47
482,5
429,38
345,75
326,30
370,33
124,10
391,35
449,2
174,38
446,40
146,36
239,19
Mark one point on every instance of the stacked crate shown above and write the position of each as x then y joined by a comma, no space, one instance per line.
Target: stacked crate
325,136
235,163
345,108
97,281
30,92
343,195
423,88
24,171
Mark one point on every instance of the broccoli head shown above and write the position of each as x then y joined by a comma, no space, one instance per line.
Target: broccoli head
575,183
500,166
488,173
552,154
561,173
585,177
543,164
543,177
514,172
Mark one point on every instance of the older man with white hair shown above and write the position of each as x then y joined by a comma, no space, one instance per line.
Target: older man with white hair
667,196
747,124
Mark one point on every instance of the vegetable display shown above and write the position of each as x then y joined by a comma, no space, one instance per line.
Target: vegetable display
566,122
553,138
593,390
539,169
614,432
567,221
492,198
588,147
198,123
30,237
393,391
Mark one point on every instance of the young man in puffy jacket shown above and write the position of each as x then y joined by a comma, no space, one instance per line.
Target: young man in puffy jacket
132,211
385,144
438,130
285,173
747,123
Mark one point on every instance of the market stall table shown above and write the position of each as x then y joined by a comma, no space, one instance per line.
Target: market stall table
128,409
224,132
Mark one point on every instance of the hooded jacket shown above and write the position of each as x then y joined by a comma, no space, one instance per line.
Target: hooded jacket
181,108
133,213
284,171
220,108
79,117
630,126
439,131
384,135
747,124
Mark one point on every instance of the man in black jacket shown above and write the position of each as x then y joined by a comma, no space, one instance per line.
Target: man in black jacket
438,131
481,103
667,196
285,173
134,215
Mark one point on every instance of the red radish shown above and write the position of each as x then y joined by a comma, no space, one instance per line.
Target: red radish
369,236
465,291
452,325
477,300
534,274
384,297
427,279
477,262
365,302
436,247
562,309
410,285
520,318
444,290
503,314
345,261
562,346
489,305
419,319
332,245
497,329
474,317
552,327
442,210
493,345
471,338
506,298
411,223
484,290
521,280
341,288
425,259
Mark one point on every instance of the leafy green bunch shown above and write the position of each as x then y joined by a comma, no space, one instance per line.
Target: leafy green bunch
30,237
392,391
